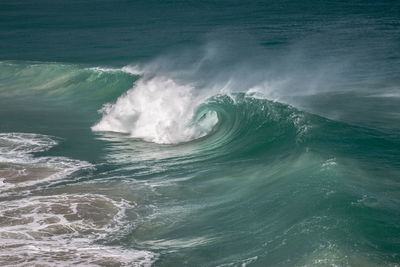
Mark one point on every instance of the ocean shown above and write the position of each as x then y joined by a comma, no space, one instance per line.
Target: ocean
199,133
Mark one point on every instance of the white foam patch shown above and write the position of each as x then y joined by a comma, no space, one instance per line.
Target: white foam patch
15,144
57,169
131,69
19,168
157,110
242,263
104,69
66,230
328,164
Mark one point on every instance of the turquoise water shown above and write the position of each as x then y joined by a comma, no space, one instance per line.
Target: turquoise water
171,133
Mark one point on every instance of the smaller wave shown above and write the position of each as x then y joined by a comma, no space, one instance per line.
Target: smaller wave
158,110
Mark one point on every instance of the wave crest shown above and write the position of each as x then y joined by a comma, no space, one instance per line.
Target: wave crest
157,110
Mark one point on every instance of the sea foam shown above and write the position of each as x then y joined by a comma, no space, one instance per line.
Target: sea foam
159,110
61,230
19,168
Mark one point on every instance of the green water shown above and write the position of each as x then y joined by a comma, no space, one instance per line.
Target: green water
199,133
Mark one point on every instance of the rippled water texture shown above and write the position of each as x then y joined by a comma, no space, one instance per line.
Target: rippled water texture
169,133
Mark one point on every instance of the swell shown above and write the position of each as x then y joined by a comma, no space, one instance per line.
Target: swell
155,108
159,109
141,105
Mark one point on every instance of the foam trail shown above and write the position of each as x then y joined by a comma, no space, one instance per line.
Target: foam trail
19,168
62,230
157,110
